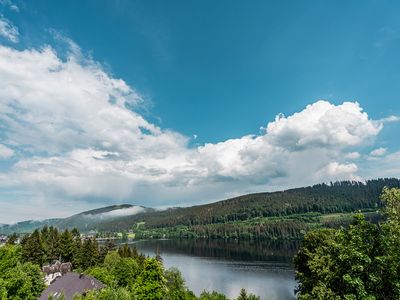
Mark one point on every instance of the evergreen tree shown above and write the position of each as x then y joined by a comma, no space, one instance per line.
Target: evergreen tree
88,254
244,296
12,239
67,246
51,240
75,233
33,249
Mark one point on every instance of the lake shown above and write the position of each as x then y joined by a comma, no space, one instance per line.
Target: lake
264,269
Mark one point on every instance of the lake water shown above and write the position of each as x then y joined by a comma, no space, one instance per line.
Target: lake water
264,269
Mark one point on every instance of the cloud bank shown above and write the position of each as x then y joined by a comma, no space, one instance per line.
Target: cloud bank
75,135
122,212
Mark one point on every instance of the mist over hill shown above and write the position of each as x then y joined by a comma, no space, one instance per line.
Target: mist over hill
337,197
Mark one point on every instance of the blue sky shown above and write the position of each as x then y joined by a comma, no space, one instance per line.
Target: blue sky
203,80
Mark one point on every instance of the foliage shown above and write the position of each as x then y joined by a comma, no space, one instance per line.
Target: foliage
244,296
359,262
107,294
126,273
18,280
12,239
176,286
212,296
151,283
103,275
33,248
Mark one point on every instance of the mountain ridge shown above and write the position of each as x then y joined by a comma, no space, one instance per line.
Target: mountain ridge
343,196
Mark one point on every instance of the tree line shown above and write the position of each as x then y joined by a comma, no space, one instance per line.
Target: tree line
335,197
358,262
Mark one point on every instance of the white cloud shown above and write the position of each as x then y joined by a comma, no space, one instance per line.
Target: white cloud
390,119
122,212
69,122
14,7
323,124
5,152
10,5
8,30
353,155
378,152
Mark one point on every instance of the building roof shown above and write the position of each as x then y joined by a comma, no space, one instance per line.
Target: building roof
71,284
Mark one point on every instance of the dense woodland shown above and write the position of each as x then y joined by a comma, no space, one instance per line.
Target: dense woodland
337,197
262,216
265,216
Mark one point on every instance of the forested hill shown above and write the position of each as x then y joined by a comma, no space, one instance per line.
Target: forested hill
293,208
344,196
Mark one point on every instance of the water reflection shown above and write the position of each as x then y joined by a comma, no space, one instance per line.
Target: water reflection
262,268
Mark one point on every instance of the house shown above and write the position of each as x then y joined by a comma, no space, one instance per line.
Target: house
71,284
3,239
55,270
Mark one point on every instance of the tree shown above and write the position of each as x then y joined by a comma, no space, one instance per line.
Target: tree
108,246
12,239
175,284
212,296
126,271
75,233
102,274
67,246
18,280
51,241
88,254
33,249
151,283
107,293
361,262
244,296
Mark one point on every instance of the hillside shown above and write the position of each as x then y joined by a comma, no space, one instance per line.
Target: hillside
286,213
338,197
85,221
27,226
93,219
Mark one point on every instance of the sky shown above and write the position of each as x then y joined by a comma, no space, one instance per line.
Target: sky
176,103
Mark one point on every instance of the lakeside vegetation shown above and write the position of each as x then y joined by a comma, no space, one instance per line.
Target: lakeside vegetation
291,227
126,273
358,261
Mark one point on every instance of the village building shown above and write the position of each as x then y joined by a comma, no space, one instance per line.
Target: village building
70,285
3,239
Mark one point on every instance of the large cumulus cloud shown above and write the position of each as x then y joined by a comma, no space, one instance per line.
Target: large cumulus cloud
75,135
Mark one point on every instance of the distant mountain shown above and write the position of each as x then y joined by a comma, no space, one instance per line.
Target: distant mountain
90,220
26,226
85,221
337,197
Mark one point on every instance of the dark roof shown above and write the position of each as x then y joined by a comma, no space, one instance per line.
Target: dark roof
71,284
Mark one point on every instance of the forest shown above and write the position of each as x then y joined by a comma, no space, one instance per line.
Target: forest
342,196
263,216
